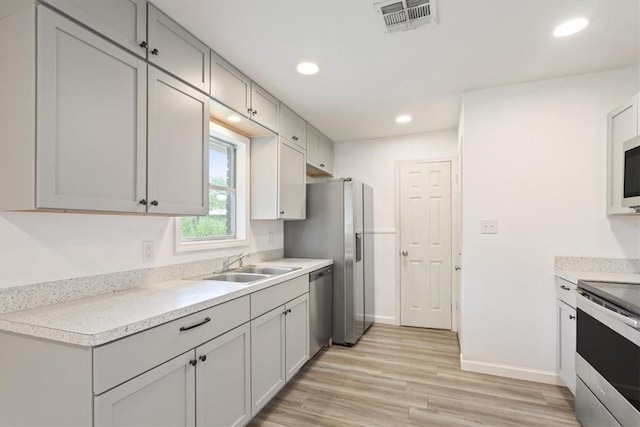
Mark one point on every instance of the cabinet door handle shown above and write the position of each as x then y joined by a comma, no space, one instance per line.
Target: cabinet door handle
249,111
143,202
281,212
571,317
154,202
155,52
193,362
144,45
203,357
255,112
186,328
405,253
321,165
565,288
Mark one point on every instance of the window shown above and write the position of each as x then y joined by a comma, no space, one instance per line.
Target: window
225,225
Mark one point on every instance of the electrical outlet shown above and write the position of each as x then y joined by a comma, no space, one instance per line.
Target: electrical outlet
270,237
147,251
488,226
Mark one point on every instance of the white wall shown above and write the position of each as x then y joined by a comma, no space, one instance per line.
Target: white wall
373,162
534,157
39,247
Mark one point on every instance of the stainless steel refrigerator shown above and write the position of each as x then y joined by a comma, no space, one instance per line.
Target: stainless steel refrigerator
339,226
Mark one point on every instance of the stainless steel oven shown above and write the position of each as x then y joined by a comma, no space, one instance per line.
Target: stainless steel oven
608,355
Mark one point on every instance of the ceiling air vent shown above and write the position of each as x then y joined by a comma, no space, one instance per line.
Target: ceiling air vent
402,15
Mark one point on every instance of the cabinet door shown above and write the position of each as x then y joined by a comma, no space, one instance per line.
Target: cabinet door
291,182
175,50
178,147
293,127
297,334
264,107
267,357
91,131
223,379
123,21
567,345
313,146
163,396
622,124
325,154
229,85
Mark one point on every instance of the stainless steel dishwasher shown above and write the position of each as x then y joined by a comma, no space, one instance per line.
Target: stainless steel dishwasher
320,308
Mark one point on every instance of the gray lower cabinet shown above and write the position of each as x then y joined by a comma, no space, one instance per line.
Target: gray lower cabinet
267,357
279,348
566,356
223,379
297,335
164,395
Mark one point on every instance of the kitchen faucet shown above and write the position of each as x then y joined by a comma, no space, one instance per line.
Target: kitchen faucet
228,263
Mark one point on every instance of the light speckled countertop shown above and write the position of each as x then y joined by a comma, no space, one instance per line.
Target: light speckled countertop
100,319
598,276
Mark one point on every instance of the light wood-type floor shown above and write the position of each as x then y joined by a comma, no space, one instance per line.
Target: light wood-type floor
398,376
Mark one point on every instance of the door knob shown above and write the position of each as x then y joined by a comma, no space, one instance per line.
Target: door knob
405,253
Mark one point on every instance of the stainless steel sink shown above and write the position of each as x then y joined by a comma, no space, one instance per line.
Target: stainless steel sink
236,277
271,271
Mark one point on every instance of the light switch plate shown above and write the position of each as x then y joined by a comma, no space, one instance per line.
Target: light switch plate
488,226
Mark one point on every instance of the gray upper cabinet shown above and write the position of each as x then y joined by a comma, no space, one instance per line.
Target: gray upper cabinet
230,86
178,147
319,153
264,107
91,128
176,51
292,127
123,21
234,89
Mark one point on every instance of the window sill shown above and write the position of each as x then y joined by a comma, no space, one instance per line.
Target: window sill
209,244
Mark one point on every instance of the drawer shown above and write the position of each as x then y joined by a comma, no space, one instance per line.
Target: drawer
270,298
116,362
566,292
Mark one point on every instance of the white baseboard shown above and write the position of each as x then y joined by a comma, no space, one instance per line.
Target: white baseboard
509,371
387,320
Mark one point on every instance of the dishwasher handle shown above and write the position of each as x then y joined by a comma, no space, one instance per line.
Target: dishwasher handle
319,274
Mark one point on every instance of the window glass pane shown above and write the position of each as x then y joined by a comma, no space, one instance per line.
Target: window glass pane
222,161
220,223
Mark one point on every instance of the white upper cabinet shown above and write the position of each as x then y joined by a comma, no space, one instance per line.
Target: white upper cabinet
319,153
623,123
292,127
234,89
90,155
123,21
178,147
176,51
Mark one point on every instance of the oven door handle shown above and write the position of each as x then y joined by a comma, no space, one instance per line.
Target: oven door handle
631,321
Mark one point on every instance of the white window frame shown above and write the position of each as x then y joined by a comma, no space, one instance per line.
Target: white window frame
242,237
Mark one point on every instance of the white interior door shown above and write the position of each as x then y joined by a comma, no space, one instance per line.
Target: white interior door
425,244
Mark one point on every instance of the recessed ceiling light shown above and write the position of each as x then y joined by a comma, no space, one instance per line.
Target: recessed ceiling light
405,118
234,118
307,68
570,27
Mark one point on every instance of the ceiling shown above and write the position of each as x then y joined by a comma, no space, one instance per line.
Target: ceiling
367,77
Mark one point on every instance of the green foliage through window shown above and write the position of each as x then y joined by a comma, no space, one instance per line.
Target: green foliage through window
221,221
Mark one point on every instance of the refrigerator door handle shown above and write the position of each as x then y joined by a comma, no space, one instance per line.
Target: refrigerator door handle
358,247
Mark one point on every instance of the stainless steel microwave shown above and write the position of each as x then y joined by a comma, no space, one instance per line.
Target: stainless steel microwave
631,189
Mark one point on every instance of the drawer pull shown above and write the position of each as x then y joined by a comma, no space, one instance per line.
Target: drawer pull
571,317
203,357
186,328
565,288
193,362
